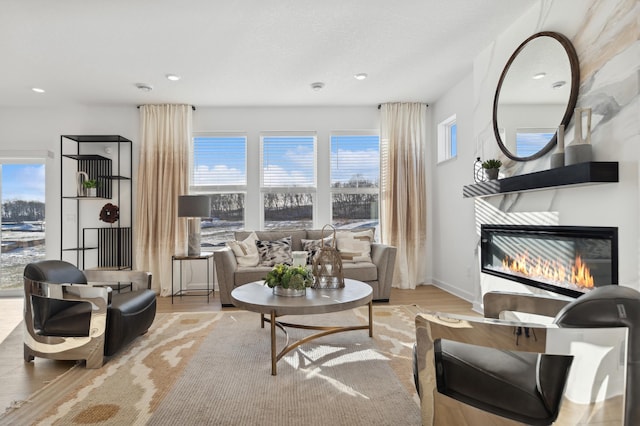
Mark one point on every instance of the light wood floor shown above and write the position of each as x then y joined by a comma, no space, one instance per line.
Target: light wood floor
20,379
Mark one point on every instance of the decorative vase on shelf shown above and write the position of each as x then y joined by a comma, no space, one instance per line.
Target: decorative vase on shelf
557,158
81,178
580,150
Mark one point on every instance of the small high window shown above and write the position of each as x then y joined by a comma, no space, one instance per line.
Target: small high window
447,139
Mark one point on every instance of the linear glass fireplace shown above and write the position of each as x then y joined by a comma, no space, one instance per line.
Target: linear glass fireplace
569,260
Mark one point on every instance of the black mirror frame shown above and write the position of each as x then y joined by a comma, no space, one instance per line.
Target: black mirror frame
573,95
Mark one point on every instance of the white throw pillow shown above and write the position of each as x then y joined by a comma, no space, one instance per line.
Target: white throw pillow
246,251
355,246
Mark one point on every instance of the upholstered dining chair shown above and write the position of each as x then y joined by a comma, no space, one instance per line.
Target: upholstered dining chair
74,315
518,370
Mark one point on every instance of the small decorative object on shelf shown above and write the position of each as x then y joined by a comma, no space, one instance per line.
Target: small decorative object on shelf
478,171
91,185
327,265
289,280
110,213
492,167
580,150
81,178
557,158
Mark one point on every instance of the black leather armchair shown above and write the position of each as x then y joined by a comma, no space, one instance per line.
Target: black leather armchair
519,370
73,315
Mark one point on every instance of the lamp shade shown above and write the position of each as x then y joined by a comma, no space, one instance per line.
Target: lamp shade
193,206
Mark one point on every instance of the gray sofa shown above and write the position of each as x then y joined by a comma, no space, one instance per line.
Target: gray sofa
378,274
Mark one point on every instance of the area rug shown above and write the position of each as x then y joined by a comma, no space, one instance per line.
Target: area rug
215,368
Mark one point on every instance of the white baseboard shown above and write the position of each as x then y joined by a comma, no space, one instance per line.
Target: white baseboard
454,290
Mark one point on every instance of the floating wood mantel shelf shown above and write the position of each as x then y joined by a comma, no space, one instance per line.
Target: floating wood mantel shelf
576,174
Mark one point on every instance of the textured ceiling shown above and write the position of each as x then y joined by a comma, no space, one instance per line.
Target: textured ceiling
244,52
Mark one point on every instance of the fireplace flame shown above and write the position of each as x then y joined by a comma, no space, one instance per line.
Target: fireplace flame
578,273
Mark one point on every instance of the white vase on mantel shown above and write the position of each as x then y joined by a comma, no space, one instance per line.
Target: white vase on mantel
580,150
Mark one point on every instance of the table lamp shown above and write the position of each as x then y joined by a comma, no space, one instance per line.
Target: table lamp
194,207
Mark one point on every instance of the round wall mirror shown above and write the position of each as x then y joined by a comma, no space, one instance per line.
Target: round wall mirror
537,92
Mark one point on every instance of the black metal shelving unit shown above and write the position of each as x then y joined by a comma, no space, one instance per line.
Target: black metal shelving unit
111,243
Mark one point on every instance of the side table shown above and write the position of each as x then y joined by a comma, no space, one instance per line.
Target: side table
207,257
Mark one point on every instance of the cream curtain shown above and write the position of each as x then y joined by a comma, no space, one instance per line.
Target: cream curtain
162,176
403,213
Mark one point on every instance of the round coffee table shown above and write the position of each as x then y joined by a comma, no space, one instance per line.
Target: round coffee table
257,297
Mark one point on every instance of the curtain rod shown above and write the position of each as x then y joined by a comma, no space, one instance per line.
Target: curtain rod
380,106
192,107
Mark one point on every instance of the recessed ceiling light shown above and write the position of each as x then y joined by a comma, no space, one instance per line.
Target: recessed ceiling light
361,76
144,87
317,85
173,77
539,75
558,84
37,90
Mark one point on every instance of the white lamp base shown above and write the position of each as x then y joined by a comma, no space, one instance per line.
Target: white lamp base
193,248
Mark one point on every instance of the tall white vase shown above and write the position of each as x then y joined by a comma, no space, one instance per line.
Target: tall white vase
580,150
81,177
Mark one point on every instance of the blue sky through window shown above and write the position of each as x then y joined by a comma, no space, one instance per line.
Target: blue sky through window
219,160
454,140
288,161
23,182
355,156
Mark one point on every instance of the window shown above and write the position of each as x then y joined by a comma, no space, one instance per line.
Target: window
220,171
447,139
23,207
355,180
288,180
531,141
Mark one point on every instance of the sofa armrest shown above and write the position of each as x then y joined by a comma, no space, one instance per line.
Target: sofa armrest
226,266
384,257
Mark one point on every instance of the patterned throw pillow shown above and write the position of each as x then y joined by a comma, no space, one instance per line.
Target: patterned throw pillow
246,251
355,246
313,247
274,252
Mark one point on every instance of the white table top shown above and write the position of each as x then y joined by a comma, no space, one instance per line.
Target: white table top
257,297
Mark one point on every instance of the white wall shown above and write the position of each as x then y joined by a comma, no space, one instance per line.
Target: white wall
606,39
451,215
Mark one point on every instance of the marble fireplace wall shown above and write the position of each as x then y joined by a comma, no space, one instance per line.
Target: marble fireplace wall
605,35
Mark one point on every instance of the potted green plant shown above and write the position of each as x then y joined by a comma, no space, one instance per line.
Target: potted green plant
91,185
492,167
289,280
